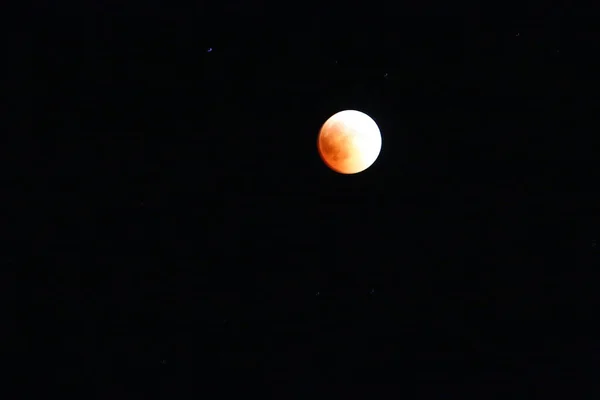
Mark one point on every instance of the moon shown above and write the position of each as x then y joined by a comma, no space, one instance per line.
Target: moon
349,142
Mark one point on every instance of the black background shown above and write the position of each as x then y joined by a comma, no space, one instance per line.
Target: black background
185,227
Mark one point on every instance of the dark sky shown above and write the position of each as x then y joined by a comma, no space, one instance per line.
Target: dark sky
186,227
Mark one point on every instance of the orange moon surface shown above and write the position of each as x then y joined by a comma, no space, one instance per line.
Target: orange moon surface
349,142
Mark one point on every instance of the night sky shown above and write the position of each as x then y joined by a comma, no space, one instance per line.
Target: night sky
187,230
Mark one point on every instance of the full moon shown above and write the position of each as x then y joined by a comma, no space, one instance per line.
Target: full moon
349,142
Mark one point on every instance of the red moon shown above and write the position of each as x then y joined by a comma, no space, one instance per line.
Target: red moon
349,142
